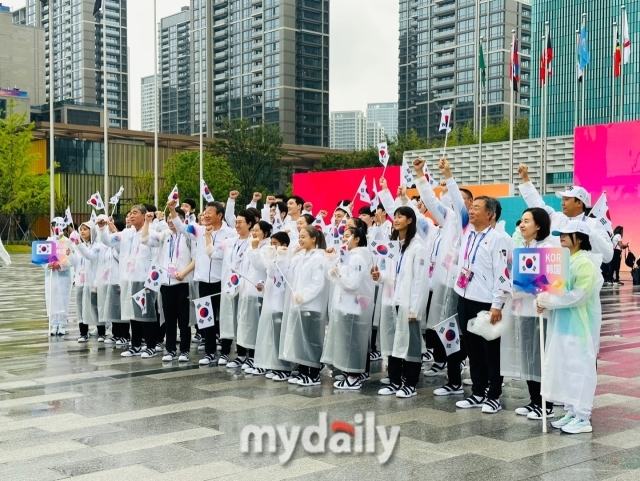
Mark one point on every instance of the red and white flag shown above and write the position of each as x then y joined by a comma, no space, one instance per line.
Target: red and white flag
206,193
626,41
204,312
445,120
363,192
157,275
140,298
373,203
601,213
95,201
383,153
174,195
388,249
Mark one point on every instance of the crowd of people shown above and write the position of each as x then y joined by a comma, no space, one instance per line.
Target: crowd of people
296,294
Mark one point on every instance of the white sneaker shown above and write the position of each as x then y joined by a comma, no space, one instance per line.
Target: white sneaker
269,374
247,364
491,406
184,357
54,331
208,359
121,341
577,426
536,414
309,381
159,347
471,402
148,354
294,379
448,390
389,390
101,339
281,376
525,410
83,339
131,352
110,340
223,360
436,369
563,421
236,363
406,391
257,371
348,384
169,357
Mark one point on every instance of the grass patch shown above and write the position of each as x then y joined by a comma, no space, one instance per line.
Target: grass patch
18,249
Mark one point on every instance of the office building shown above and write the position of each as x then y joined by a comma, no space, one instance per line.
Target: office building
439,58
387,115
263,60
348,130
375,133
22,74
148,100
564,19
78,55
175,77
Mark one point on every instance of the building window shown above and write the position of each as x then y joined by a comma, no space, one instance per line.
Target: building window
560,178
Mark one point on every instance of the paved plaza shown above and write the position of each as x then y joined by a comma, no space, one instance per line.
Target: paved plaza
80,411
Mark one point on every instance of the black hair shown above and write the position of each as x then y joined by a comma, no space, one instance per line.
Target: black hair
282,196
468,192
365,211
618,230
119,225
281,206
266,228
282,237
498,210
381,207
412,230
248,216
309,219
191,202
519,221
360,224
585,244
219,208
362,236
316,235
150,207
299,200
180,212
542,220
256,213
415,197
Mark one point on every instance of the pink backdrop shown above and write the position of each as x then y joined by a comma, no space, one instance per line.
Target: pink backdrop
607,157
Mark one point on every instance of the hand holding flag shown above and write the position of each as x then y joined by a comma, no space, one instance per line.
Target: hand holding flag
601,213
68,219
116,198
204,312
174,195
363,192
383,154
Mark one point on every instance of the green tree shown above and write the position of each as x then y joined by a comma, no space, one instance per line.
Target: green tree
183,169
254,153
142,188
19,185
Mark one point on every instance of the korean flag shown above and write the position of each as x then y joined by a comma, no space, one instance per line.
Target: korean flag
529,264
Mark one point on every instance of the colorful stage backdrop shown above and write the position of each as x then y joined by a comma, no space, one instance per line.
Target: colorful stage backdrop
607,157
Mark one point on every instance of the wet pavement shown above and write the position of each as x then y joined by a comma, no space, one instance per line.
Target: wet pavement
80,411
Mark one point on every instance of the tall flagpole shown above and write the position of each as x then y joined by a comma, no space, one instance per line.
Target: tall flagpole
52,198
511,113
156,102
476,72
201,115
576,120
546,108
105,194
624,24
480,117
613,72
543,112
584,80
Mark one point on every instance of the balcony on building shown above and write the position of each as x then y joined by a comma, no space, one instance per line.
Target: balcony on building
220,12
441,7
221,86
223,54
257,32
220,66
441,21
220,33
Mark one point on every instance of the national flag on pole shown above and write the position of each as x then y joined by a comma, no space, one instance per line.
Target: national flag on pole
97,7
445,120
514,71
95,201
363,192
579,71
406,173
231,284
373,204
481,65
140,298
68,219
157,275
626,41
319,224
116,198
545,62
601,213
277,220
449,335
94,216
174,194
617,55
204,312
383,153
583,47
206,193
388,249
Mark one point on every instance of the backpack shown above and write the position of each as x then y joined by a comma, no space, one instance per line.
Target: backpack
629,259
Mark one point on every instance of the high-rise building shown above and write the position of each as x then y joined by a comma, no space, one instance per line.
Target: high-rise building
22,77
375,133
387,115
78,54
262,60
148,100
175,77
439,60
564,19
348,130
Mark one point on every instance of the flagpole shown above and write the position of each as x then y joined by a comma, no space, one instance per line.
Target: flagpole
105,109
543,181
156,102
201,132
624,24
52,83
476,72
513,32
576,91
584,79
543,113
480,123
613,72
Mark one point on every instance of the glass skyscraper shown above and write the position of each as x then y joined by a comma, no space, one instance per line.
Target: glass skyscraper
565,17
262,60
439,58
387,115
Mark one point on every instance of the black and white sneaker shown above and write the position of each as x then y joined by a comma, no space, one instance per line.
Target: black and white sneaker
170,357
83,339
525,410
201,346
159,347
208,359
491,406
385,380
436,369
223,360
269,374
280,376
407,391
110,340
471,402
340,377
236,363
364,376
184,357
536,414
448,390
389,390
101,339
348,384
148,353
375,356
309,381
248,364
257,371
427,356
197,338
131,352
293,379
121,341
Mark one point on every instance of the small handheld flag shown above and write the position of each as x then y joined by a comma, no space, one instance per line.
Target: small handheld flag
373,205
140,298
94,217
157,275
445,120
601,213
68,219
363,191
204,312
206,193
230,287
449,335
95,201
174,194
116,198
388,249
383,154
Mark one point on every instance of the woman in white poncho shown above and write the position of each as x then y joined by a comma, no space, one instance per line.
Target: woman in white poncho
569,369
350,329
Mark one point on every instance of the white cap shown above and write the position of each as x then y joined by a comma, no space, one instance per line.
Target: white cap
573,226
578,193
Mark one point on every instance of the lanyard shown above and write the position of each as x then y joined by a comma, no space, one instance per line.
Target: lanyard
475,238
399,266
174,245
237,256
434,253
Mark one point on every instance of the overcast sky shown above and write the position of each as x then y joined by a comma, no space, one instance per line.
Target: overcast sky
363,52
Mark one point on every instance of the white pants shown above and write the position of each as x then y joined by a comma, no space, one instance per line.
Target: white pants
584,414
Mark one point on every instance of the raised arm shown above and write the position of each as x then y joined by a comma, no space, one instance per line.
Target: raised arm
230,208
454,192
110,240
191,230
428,197
529,193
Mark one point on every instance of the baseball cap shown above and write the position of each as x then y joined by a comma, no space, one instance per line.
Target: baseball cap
573,226
577,192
